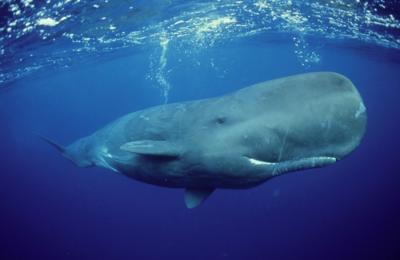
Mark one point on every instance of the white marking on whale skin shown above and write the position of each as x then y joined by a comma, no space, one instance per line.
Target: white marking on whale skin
102,162
300,164
283,145
144,117
258,162
104,152
105,164
141,144
274,170
360,110
293,165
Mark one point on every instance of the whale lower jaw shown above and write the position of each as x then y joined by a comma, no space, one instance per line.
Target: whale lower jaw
277,168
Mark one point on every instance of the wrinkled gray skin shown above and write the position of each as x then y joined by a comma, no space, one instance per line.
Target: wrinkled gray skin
235,141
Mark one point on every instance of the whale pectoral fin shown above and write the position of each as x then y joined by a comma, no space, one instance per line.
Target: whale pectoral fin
153,148
194,197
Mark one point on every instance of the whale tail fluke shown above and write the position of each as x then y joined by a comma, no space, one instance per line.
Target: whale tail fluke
59,147
72,155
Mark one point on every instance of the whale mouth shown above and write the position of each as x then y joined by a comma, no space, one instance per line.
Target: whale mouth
277,168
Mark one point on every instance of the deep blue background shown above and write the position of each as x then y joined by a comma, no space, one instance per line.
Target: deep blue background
50,209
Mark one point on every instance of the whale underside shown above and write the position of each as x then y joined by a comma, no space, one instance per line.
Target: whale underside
236,141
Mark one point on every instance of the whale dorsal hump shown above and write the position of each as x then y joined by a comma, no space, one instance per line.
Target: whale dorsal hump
194,197
153,148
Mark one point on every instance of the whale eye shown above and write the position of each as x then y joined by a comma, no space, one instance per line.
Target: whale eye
220,120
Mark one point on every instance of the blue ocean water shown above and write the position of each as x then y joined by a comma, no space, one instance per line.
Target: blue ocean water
69,67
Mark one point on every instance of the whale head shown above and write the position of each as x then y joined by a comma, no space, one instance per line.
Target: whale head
284,125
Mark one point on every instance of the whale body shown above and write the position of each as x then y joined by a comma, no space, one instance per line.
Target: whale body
235,141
